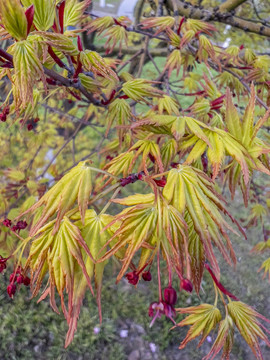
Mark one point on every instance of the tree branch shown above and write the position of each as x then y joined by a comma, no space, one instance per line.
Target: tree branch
230,5
190,11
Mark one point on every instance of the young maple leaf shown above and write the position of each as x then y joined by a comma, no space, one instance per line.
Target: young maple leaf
162,23
224,339
75,185
203,320
191,192
27,72
139,89
13,19
245,132
100,24
174,61
246,320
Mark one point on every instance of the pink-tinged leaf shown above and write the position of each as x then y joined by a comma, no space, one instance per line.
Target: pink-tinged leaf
29,13
219,285
58,61
197,259
61,10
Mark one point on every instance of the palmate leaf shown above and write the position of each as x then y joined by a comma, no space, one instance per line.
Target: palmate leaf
168,152
162,23
178,125
13,18
168,105
60,255
246,320
75,185
224,339
95,239
266,267
245,132
74,11
92,61
44,13
27,71
221,144
140,89
203,319
197,256
138,226
190,190
119,111
120,164
60,42
147,225
146,148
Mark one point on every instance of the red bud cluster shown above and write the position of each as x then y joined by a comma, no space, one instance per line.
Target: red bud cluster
5,112
19,278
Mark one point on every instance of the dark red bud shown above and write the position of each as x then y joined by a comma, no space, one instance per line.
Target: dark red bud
186,285
30,127
36,120
170,296
21,224
2,267
26,281
11,290
7,222
162,182
147,276
12,277
132,277
20,279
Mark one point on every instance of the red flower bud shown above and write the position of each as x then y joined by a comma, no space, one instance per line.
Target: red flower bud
2,267
11,290
162,182
186,285
12,277
170,296
7,222
20,279
21,225
26,281
132,277
147,276
30,127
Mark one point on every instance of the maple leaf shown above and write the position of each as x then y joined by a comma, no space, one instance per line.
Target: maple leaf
44,13
190,190
224,339
75,185
246,320
203,319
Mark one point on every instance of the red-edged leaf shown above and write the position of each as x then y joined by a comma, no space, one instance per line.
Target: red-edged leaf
61,10
29,13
